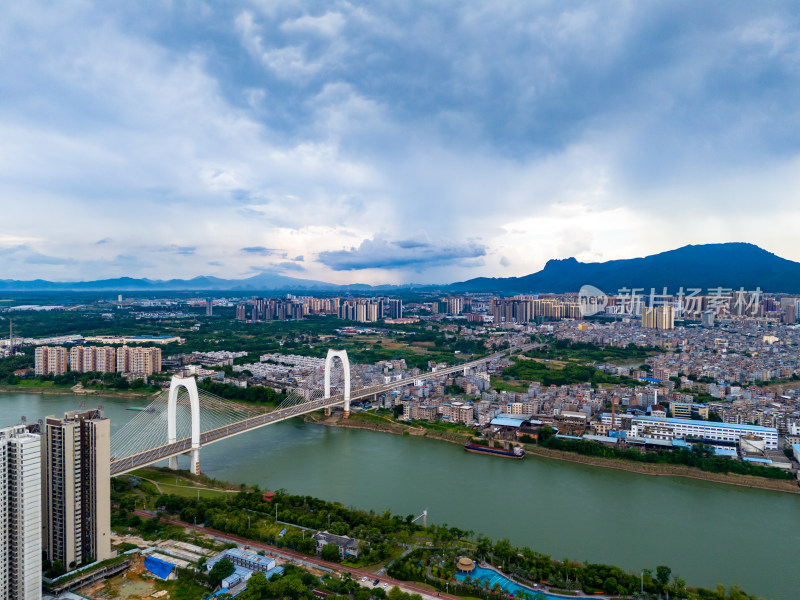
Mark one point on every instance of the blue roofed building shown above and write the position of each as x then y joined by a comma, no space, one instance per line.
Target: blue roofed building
763,461
709,431
726,452
244,558
246,563
507,421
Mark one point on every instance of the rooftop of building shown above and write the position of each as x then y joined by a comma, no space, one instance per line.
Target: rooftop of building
507,422
764,461
729,452
674,421
342,541
265,562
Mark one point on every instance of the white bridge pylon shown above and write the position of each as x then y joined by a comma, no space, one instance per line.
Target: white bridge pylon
342,356
172,426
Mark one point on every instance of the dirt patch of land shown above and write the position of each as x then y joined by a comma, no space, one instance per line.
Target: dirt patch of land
547,361
134,584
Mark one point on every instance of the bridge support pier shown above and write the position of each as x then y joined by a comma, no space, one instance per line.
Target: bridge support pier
194,461
172,411
342,356
328,412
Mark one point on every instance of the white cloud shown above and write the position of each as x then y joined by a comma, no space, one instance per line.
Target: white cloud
417,253
540,131
330,24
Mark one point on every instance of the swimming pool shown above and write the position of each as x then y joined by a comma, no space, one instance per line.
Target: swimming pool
509,587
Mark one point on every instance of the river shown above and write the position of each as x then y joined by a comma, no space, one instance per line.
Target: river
708,533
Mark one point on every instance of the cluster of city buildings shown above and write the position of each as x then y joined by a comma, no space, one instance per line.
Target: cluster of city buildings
734,352
522,309
55,501
9,345
362,310
132,360
697,304
647,414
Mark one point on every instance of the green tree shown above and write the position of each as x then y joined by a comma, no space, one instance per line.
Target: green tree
546,433
394,594
663,574
222,569
58,568
484,546
330,552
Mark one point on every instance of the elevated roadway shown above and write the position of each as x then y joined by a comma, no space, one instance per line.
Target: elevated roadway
184,445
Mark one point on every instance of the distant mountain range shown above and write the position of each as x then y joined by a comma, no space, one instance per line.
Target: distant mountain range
260,282
732,265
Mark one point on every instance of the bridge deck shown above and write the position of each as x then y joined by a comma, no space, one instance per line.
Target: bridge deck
153,455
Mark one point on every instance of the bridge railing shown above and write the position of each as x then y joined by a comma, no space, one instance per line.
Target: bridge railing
121,465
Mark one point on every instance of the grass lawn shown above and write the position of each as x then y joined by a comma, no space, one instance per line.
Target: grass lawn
556,364
500,385
183,589
28,383
159,476
191,492
371,417
385,343
177,484
417,348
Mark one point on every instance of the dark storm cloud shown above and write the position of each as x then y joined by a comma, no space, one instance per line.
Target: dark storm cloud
381,253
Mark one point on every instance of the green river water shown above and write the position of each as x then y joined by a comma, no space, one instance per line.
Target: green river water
708,533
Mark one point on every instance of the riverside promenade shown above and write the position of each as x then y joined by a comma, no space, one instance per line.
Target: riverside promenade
298,557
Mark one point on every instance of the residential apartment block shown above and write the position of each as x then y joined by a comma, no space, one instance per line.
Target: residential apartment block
658,317
50,360
87,359
20,514
521,309
138,361
76,487
361,310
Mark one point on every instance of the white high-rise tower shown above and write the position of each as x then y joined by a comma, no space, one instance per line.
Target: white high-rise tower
20,514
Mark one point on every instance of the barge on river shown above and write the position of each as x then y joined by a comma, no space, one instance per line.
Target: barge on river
513,452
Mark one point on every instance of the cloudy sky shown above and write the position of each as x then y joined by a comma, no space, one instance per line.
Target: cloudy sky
390,142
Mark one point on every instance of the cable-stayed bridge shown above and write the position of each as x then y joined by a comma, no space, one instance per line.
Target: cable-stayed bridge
184,419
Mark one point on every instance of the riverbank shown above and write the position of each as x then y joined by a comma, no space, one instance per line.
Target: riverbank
663,470
71,391
389,427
